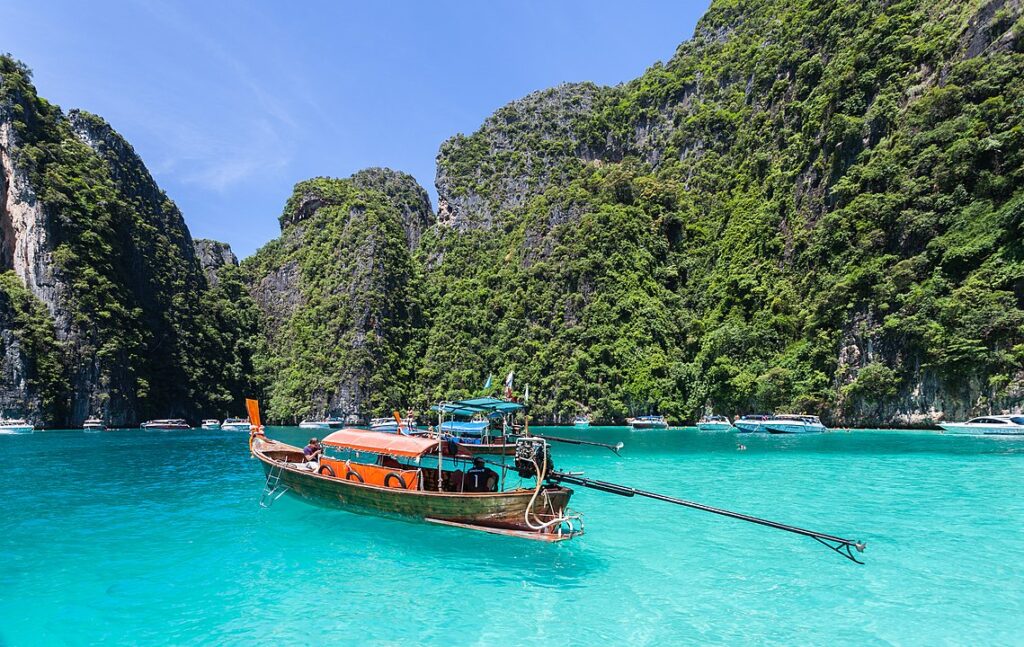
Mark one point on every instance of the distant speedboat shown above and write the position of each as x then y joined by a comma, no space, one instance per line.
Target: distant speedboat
16,426
714,423
1011,425
581,421
390,425
211,424
648,422
236,424
93,424
314,424
165,424
793,424
752,423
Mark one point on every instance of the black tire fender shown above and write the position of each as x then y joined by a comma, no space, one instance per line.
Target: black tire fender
395,475
326,469
357,475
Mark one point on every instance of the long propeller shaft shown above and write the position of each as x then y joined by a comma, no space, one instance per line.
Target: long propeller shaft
842,546
573,441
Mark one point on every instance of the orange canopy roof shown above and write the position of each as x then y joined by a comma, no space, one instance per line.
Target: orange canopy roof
381,443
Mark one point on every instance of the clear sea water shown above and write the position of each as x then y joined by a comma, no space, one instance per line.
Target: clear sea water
156,538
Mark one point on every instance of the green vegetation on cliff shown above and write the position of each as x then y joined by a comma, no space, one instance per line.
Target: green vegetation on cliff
812,206
140,335
24,322
338,297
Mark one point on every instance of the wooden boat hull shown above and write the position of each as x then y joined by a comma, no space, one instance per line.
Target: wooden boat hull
483,510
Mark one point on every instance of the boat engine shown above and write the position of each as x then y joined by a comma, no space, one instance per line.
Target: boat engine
532,454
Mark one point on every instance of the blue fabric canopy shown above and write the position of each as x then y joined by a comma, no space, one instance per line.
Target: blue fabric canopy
473,406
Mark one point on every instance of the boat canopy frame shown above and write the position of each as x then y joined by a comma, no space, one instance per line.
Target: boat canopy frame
489,407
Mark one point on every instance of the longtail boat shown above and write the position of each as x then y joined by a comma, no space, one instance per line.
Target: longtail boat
415,478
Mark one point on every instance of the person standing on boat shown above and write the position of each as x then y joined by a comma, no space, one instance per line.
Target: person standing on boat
312,452
480,478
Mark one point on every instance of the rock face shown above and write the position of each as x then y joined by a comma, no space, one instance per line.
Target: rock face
337,294
90,236
810,207
212,256
779,217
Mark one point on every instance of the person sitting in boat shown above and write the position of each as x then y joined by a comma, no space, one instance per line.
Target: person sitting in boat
312,453
480,478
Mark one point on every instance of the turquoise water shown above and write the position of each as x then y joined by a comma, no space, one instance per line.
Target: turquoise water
155,538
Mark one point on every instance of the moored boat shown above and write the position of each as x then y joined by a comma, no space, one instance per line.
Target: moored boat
392,426
581,421
714,423
411,478
794,424
479,426
417,478
93,424
16,426
647,422
465,427
165,424
211,424
999,425
329,422
235,424
752,423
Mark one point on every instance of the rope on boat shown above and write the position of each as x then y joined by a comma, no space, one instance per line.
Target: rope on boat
844,547
544,525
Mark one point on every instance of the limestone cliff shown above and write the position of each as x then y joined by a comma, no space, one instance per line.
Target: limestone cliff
90,236
337,295
212,256
810,206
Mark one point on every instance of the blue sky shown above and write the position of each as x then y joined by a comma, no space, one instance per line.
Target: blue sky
231,103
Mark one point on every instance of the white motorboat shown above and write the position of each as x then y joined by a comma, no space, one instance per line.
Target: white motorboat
752,423
647,422
581,421
16,426
314,424
391,426
236,424
714,423
165,424
211,424
93,424
786,423
1001,425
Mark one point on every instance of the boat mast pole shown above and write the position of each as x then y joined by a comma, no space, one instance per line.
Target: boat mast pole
440,458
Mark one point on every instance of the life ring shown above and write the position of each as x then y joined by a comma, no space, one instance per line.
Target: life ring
351,473
327,469
391,475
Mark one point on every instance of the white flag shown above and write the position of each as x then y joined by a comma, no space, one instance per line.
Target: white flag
526,395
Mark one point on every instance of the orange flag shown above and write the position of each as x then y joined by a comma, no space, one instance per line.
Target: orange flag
253,406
